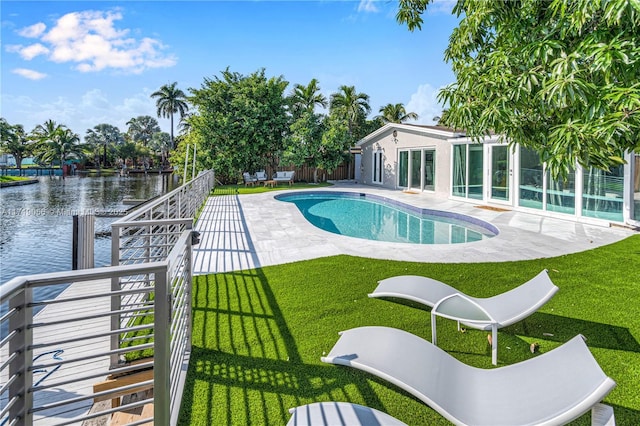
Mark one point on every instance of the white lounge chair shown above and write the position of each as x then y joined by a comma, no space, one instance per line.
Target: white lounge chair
489,313
553,388
261,176
339,413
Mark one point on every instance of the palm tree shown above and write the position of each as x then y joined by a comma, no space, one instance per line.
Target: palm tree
306,98
56,142
105,136
351,105
142,128
395,113
169,101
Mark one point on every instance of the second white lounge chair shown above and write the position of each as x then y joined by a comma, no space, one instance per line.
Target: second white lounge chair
489,313
553,388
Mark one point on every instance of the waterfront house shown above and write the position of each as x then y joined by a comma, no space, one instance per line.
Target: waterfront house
446,163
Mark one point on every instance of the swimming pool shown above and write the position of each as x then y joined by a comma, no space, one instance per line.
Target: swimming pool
377,218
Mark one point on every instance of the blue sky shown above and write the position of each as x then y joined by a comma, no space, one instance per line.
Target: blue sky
90,62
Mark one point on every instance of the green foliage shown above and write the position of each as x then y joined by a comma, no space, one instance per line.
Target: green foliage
203,160
306,98
103,137
353,108
143,128
55,142
14,141
305,140
258,335
395,113
241,120
562,78
170,100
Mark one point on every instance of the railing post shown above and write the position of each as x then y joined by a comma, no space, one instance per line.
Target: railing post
83,241
114,359
19,367
161,350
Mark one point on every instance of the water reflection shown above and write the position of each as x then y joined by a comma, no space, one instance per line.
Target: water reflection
36,220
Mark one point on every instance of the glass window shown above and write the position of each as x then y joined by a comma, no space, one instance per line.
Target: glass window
429,168
602,193
377,166
459,186
403,169
476,170
561,194
416,159
530,179
500,172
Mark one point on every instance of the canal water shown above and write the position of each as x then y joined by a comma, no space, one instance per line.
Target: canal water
36,220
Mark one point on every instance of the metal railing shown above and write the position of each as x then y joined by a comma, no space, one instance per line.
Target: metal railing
53,352
148,233
52,360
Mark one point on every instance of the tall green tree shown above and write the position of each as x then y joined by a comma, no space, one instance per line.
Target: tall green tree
560,77
56,143
395,113
305,141
307,98
170,100
142,128
241,120
351,106
14,141
160,144
105,136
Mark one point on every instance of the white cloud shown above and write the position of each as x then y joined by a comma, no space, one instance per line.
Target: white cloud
31,51
424,103
30,74
91,40
95,98
367,6
33,31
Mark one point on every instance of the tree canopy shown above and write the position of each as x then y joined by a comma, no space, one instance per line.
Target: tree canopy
14,141
559,77
241,120
395,113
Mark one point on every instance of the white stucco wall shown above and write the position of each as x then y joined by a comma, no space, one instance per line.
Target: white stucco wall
407,138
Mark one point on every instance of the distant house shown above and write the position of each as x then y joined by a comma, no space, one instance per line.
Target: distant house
445,163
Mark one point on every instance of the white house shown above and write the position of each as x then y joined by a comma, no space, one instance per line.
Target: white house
445,163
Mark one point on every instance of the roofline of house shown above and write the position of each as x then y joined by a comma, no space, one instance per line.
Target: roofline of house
442,133
434,131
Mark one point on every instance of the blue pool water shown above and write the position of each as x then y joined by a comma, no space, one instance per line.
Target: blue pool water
376,218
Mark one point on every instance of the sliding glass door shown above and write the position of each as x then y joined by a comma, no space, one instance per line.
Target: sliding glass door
416,169
500,173
468,169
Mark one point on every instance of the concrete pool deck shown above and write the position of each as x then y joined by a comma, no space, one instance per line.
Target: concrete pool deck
250,231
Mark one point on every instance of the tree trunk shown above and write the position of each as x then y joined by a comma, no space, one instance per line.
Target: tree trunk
172,142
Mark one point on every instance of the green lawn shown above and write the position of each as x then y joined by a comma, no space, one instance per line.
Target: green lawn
258,335
256,189
13,178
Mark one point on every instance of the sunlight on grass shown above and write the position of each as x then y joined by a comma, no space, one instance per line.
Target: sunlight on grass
258,335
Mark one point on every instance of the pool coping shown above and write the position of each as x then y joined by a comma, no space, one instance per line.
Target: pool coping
487,226
248,231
